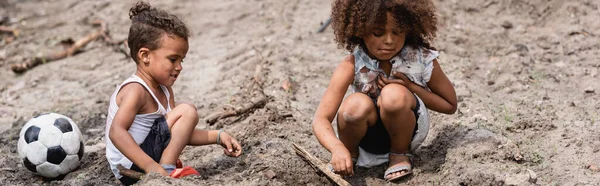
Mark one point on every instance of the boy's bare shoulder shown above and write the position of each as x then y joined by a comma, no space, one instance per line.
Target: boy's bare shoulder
132,90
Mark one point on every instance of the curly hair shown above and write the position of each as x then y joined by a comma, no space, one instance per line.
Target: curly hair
354,19
148,25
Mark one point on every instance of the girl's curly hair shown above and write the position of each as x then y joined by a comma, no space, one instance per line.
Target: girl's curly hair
148,25
354,19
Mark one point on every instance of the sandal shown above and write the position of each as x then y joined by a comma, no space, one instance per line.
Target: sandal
399,168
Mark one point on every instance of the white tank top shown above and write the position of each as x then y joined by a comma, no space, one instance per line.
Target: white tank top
138,130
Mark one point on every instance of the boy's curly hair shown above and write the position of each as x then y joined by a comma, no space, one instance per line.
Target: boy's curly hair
148,25
354,19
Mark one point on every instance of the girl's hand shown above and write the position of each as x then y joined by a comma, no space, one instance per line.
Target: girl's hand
341,161
232,147
402,80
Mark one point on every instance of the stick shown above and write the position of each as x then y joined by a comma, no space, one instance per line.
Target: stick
254,103
320,165
130,173
22,67
325,24
257,102
9,30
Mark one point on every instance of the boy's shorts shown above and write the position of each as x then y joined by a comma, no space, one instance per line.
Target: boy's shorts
155,143
375,145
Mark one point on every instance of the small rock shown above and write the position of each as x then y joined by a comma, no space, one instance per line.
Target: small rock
270,174
589,90
2,54
593,168
522,49
491,82
507,25
532,176
479,117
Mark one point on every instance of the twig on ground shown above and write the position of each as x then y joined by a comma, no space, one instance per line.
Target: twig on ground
320,165
22,67
258,101
324,25
254,103
130,173
14,32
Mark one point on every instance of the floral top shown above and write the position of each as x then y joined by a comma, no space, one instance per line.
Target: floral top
415,63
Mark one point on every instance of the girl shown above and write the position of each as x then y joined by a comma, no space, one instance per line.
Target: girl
395,77
145,130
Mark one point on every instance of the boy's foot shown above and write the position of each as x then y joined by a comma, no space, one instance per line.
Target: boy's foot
179,164
183,172
400,166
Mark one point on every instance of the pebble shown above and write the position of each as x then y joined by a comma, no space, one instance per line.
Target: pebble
532,176
589,90
507,25
270,174
593,168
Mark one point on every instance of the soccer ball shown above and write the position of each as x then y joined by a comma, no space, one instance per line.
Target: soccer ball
50,145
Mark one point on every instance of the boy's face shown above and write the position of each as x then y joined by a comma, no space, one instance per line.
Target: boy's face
385,43
164,63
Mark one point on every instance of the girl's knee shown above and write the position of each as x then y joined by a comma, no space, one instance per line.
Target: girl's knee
356,108
394,98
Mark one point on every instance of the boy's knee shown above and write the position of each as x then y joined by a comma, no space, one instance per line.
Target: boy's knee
396,98
356,108
188,110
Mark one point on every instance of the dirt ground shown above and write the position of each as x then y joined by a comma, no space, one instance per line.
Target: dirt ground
525,72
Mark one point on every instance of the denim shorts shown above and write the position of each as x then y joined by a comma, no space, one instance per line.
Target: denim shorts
155,143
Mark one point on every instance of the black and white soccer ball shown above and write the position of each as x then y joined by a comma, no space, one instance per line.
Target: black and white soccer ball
50,145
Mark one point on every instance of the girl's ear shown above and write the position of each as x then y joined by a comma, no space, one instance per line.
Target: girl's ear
144,55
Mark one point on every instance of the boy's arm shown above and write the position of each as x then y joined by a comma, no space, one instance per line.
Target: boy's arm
442,97
132,97
208,137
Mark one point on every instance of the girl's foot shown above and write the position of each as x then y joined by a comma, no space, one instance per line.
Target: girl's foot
400,166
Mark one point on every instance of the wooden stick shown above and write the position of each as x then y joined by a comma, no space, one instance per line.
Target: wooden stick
320,165
130,173
22,67
257,102
9,30
325,24
254,103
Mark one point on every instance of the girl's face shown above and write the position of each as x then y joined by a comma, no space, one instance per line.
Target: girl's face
164,63
385,43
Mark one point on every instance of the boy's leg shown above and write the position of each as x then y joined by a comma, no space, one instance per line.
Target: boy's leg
182,121
356,114
396,105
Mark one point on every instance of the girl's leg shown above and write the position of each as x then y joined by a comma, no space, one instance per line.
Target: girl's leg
396,104
355,115
182,121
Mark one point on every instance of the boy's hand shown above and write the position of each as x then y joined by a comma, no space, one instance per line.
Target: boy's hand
156,168
232,147
341,161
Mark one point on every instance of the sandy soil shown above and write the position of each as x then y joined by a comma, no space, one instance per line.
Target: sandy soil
525,72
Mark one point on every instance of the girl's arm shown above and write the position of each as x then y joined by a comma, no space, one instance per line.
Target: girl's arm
341,78
442,97
132,99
